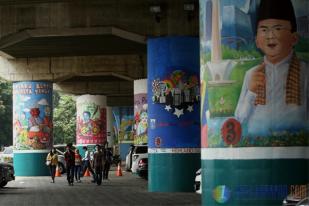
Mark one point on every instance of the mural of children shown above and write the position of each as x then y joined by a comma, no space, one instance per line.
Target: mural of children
274,95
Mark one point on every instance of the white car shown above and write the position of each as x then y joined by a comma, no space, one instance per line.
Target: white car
129,158
139,152
198,181
7,155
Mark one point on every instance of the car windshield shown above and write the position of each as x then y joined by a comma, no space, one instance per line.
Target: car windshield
141,149
8,150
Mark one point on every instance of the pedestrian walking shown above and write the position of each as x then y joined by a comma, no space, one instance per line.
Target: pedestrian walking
52,162
98,163
69,157
86,163
78,165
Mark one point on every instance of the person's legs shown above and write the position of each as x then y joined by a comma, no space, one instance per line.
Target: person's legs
85,166
78,169
75,172
72,175
106,169
98,171
69,174
88,166
53,171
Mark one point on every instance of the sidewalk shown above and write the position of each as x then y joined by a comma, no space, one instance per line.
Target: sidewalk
125,190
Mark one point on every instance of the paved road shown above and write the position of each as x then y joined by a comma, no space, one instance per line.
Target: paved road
126,190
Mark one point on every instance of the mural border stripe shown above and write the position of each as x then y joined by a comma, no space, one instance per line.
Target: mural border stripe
255,153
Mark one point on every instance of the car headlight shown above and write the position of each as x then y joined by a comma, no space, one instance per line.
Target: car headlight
135,157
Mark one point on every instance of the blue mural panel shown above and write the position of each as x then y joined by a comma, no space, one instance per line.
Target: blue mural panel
173,92
123,121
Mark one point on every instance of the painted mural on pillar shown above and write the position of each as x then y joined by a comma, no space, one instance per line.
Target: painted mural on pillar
32,115
254,66
140,119
173,93
123,124
91,123
177,92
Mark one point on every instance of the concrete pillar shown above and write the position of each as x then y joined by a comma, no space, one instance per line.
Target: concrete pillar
32,127
140,112
173,111
254,143
109,127
90,120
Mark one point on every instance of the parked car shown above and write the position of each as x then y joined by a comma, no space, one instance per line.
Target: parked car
7,155
142,169
198,181
129,158
139,152
297,199
6,173
303,202
61,162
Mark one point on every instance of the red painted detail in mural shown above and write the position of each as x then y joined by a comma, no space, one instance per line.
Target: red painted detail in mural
231,131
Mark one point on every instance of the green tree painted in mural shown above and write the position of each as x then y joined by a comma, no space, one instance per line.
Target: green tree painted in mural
5,112
64,118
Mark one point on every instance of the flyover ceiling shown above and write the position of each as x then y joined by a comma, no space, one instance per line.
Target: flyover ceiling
44,38
84,41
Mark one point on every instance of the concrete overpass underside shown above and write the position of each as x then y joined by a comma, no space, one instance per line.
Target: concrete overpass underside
94,47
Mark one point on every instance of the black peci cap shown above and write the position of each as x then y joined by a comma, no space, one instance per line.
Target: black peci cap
277,9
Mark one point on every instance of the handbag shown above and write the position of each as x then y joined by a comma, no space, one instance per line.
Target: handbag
48,162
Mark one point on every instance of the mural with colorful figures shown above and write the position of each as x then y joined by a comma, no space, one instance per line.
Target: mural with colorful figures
123,124
91,122
177,91
32,115
140,119
247,105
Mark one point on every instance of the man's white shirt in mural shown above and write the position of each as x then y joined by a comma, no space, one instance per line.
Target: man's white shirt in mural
275,115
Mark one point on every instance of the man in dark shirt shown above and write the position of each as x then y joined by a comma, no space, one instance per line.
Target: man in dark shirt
69,157
98,162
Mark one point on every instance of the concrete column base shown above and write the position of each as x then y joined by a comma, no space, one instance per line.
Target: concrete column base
30,163
171,172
